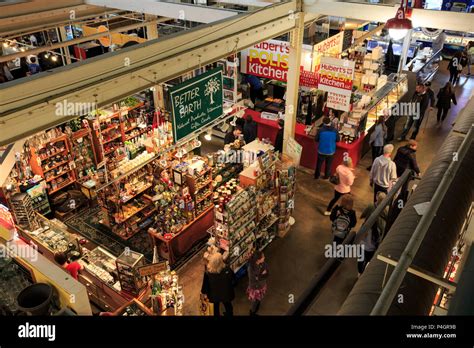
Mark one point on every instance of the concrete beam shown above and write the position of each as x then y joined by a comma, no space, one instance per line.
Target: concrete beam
28,105
194,13
456,21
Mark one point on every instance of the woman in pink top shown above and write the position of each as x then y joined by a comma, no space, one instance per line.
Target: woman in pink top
346,179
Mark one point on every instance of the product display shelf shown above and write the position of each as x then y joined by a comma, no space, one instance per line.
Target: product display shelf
128,264
286,192
39,199
53,160
22,206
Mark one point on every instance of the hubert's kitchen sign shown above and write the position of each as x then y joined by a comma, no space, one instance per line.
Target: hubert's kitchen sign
196,103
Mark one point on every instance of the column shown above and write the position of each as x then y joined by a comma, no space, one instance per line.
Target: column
66,56
405,47
294,63
151,29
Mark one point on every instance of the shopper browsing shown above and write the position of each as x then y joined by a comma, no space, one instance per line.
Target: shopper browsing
445,96
232,136
419,104
343,219
218,284
257,270
250,129
406,158
256,88
377,139
72,268
453,67
327,137
431,95
375,234
383,172
345,174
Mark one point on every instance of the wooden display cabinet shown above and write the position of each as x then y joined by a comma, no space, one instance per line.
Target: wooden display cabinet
53,162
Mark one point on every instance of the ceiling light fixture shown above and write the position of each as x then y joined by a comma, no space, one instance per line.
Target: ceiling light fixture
208,135
54,58
399,26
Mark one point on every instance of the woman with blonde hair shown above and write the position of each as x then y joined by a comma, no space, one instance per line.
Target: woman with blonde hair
345,179
218,284
343,219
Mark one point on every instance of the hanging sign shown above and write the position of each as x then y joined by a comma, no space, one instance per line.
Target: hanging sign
331,47
270,59
153,269
336,77
196,102
294,150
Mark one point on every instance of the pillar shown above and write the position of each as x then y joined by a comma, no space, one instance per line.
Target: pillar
404,54
151,29
294,63
66,56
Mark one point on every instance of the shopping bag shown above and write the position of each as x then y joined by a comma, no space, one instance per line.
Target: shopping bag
206,308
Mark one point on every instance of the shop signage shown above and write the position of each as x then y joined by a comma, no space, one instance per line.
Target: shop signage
270,59
336,77
269,116
294,150
347,40
331,47
153,269
196,102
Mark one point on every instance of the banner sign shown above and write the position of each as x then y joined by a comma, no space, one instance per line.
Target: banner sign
270,59
336,77
331,47
196,102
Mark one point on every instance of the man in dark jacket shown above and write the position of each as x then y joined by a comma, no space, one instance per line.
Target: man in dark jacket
431,95
406,158
279,137
420,102
327,137
250,129
232,136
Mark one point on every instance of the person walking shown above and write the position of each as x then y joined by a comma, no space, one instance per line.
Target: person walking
419,104
377,139
327,137
406,158
463,62
257,270
218,284
250,129
343,219
453,67
383,172
431,95
375,234
445,96
345,173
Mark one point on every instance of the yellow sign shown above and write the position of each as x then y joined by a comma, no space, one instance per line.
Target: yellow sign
110,38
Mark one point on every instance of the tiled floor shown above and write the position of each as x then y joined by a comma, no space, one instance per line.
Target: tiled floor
295,259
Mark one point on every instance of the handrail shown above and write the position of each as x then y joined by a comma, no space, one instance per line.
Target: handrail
396,278
319,280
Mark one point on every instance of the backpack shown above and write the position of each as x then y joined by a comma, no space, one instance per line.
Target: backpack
340,226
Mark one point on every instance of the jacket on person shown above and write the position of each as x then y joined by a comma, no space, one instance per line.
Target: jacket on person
257,275
279,141
250,131
444,99
327,136
219,287
406,159
431,97
34,68
383,171
423,100
453,64
346,179
229,138
377,138
373,237
338,210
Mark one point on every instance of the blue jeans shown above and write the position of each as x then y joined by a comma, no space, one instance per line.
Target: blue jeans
327,159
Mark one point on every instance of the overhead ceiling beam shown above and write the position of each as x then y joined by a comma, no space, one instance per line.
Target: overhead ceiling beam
68,43
251,3
21,22
456,21
30,106
193,13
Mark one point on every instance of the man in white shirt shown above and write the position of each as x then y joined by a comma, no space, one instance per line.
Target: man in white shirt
383,172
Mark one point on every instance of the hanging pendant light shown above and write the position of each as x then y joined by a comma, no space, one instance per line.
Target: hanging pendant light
399,26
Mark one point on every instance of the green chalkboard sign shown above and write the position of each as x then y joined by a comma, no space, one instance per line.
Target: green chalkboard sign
196,103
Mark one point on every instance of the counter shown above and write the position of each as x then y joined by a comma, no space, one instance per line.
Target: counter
269,129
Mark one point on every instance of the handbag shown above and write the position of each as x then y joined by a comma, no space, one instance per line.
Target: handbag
334,179
206,308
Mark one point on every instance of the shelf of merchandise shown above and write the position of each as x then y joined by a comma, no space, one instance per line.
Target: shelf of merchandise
38,163
142,190
125,219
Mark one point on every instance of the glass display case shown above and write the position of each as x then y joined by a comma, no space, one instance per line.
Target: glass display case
101,264
381,104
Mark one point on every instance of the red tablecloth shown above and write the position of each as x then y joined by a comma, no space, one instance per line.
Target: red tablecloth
269,129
